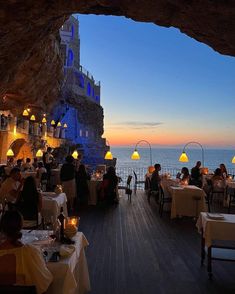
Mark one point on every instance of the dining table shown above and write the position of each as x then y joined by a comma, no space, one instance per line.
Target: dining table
217,234
52,203
70,271
187,200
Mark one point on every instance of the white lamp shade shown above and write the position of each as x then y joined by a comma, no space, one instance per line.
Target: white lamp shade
233,160
135,155
108,155
39,153
183,157
10,152
65,126
75,154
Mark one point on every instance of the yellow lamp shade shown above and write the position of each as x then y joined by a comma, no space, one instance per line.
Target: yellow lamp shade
75,154
233,160
108,155
53,122
44,120
65,126
59,124
135,155
10,152
39,153
25,112
32,117
183,157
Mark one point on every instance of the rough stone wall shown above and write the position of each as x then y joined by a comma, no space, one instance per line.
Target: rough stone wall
28,27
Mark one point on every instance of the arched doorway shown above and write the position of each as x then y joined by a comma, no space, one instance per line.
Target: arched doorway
21,149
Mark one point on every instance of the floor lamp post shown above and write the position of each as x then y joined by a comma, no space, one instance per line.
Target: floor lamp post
184,158
135,155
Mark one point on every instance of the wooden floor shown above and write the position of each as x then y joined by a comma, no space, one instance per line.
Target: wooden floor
133,250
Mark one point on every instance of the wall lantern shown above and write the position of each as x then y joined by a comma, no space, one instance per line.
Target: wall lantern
39,153
75,154
32,117
25,112
53,122
10,152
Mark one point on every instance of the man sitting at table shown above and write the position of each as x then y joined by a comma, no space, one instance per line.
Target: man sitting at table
155,178
196,177
11,187
20,264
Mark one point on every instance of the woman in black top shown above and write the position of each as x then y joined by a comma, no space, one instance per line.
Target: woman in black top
30,202
82,186
109,185
67,177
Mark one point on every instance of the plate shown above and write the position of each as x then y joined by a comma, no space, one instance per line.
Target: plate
215,216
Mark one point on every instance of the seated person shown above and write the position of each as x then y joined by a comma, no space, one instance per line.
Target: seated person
196,177
224,172
35,163
19,164
185,176
155,178
217,180
109,186
27,166
11,187
30,200
24,263
82,186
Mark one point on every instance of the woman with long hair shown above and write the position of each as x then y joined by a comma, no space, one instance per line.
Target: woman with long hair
30,203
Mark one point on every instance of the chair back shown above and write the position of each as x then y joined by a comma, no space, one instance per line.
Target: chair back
128,182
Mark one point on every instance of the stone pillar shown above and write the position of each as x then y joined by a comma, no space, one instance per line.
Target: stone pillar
35,129
26,126
62,133
44,130
57,132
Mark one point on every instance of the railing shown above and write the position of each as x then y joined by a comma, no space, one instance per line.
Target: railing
124,172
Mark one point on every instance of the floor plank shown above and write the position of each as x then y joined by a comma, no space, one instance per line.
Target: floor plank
133,250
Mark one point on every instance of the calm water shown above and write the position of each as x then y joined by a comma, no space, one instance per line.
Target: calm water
168,158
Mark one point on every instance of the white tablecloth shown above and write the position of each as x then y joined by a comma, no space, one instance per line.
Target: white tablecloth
70,275
51,204
183,202
216,229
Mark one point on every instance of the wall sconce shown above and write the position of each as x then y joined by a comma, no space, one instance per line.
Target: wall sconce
108,155
25,112
32,117
65,125
75,154
44,120
59,124
53,122
39,153
10,152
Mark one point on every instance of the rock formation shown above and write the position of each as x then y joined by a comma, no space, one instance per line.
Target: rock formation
30,64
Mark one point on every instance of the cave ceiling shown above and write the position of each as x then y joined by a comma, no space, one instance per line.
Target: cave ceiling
31,67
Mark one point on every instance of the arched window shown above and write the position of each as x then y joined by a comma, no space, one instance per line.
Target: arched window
81,81
88,90
70,58
97,98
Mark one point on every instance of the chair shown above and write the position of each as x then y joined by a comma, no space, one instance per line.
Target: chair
231,195
126,187
150,192
137,182
218,191
162,200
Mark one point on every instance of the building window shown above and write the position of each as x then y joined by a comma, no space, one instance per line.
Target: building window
80,133
97,99
81,81
93,92
86,133
70,58
88,90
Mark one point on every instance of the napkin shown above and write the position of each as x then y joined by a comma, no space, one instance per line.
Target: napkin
66,250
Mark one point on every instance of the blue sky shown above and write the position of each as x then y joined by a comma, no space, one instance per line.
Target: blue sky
158,84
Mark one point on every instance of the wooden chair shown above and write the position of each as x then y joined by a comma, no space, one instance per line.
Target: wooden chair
162,200
127,187
150,192
217,194
137,182
231,195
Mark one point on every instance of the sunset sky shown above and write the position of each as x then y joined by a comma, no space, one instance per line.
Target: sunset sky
158,84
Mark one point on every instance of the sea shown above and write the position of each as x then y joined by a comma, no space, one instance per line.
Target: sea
169,158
